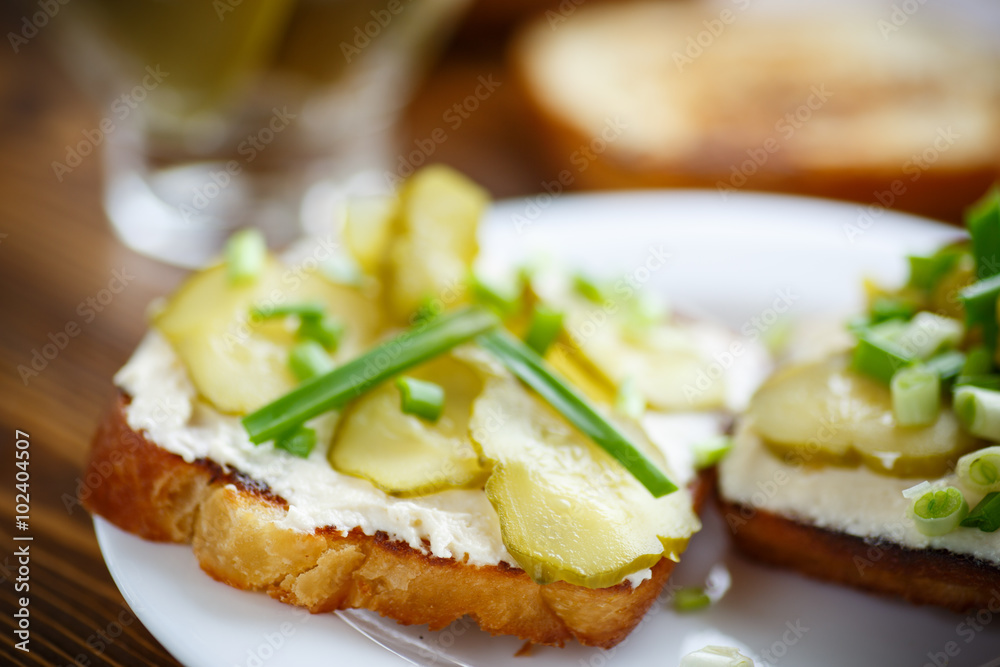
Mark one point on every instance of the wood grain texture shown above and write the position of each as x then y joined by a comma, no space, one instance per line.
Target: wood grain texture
56,250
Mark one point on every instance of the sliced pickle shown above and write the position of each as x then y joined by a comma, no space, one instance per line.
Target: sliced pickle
404,455
239,364
432,253
368,229
668,360
568,363
823,413
567,510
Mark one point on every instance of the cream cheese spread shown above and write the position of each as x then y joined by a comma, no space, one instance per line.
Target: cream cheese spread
459,524
855,501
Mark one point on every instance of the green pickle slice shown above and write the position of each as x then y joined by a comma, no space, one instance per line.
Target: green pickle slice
567,510
403,454
823,413
237,363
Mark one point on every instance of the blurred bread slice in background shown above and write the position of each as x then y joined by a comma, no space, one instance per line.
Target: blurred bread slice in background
895,112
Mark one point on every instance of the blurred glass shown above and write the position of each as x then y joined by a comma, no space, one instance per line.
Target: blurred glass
222,114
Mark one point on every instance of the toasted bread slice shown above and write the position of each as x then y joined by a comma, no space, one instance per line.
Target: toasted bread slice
653,94
848,525
230,522
922,576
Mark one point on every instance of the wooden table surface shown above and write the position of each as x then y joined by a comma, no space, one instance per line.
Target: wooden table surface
58,259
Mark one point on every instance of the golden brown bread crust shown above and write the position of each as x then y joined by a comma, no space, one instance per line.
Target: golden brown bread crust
927,576
228,520
944,191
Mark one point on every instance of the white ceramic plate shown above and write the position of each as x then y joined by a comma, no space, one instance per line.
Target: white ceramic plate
728,259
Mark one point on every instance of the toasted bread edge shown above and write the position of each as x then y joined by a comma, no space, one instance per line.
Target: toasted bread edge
921,576
230,522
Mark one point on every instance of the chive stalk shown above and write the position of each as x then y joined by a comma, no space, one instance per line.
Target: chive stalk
526,365
916,396
939,512
979,411
336,388
246,253
420,398
985,515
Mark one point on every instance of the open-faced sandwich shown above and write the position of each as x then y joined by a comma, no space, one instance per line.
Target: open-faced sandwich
877,465
383,430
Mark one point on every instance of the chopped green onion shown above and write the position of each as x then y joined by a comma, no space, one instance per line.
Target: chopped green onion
980,470
983,222
642,313
342,270
629,401
979,411
916,396
325,330
859,324
246,253
980,302
691,599
948,365
299,442
939,512
978,361
546,323
928,333
985,515
426,311
309,359
588,289
777,337
420,398
524,363
927,272
877,357
327,392
303,310
917,490
991,381
504,299
886,347
709,452
891,307
526,272
715,656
